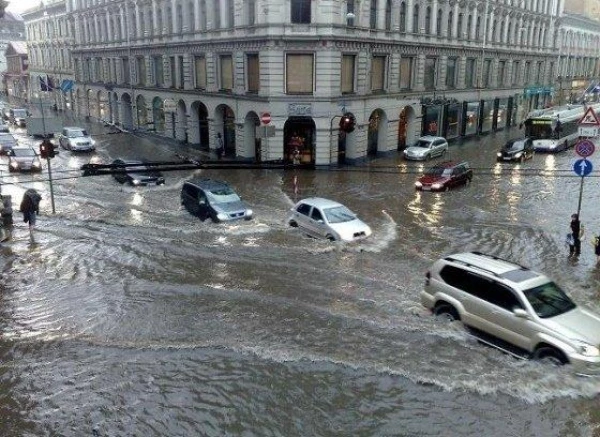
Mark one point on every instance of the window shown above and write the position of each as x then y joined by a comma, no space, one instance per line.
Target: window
388,15
515,73
172,67
540,72
230,14
301,11
157,64
373,16
428,20
200,71
438,24
378,73
527,72
216,14
470,73
430,79
180,68
226,69
125,70
141,70
316,215
347,76
487,66
251,12
406,73
253,67
459,27
299,74
303,209
403,17
415,28
501,73
451,73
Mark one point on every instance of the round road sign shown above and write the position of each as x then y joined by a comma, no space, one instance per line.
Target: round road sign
585,148
582,167
265,118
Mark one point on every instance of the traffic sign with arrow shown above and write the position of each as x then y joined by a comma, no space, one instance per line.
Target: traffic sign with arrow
582,167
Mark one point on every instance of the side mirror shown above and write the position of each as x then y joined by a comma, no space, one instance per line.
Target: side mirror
520,313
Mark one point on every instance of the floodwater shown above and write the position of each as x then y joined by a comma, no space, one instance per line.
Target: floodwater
128,317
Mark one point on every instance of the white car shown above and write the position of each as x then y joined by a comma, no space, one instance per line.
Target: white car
426,148
323,218
76,139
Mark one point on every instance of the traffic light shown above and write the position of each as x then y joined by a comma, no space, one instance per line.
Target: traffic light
347,122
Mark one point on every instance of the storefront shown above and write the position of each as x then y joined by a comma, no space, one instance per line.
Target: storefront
487,119
501,119
471,115
432,120
453,119
299,140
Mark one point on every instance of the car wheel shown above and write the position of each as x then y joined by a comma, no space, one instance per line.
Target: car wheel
330,237
565,145
293,224
445,311
427,157
550,355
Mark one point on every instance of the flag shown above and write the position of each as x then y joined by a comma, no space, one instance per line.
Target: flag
43,84
66,85
50,82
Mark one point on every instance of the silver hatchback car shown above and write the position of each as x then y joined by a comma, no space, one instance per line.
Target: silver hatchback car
426,147
515,309
323,218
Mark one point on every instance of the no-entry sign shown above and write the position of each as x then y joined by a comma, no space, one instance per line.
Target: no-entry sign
265,118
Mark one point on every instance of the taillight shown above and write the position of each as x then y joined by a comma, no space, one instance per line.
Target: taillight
427,278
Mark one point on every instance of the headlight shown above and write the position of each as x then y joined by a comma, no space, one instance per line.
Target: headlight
14,164
587,350
249,212
518,155
499,155
36,163
221,216
93,142
418,184
135,181
436,186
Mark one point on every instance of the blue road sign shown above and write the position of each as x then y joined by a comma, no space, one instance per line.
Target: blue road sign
585,148
582,167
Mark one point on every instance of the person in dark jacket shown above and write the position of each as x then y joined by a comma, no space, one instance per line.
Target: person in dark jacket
30,207
576,230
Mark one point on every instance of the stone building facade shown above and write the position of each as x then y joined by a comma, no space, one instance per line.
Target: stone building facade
403,68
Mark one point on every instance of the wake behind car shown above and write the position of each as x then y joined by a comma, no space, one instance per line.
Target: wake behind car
426,148
517,150
515,309
209,198
24,159
323,218
76,139
136,173
444,176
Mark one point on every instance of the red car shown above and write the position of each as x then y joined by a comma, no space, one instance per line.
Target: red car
445,176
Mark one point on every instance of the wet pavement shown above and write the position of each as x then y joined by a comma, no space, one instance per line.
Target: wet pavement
127,316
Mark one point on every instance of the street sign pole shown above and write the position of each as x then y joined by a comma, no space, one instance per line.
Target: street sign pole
582,167
51,185
580,197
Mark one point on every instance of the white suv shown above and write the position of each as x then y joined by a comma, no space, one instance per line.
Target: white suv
515,309
76,139
426,148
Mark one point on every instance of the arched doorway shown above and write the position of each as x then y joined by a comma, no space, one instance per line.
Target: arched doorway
181,126
252,144
299,133
158,114
200,134
127,111
377,132
406,132
142,112
225,125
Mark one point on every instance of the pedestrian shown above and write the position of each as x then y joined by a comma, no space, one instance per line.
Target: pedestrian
571,243
577,230
596,244
220,149
30,207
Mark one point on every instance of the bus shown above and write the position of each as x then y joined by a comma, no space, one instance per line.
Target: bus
541,127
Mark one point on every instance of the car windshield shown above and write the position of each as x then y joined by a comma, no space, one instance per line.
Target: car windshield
339,214
438,172
222,195
549,300
20,113
77,133
423,144
513,145
23,152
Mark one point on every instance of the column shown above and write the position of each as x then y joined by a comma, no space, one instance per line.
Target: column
96,29
197,17
472,32
155,12
138,22
454,32
505,37
125,30
434,14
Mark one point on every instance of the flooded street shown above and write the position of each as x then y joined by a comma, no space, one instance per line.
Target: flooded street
129,317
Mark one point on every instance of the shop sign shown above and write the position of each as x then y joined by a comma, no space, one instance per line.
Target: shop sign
533,90
299,110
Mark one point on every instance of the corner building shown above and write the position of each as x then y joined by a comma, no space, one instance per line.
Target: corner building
193,69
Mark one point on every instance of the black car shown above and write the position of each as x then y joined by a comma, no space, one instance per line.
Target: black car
209,198
136,173
517,150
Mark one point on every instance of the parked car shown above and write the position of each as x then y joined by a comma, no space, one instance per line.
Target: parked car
24,159
76,139
444,176
18,117
323,218
136,173
7,143
4,127
515,309
517,150
426,148
209,198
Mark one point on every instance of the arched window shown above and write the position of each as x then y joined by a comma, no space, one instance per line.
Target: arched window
450,19
388,15
373,16
415,28
501,36
438,24
403,17
459,27
428,20
301,11
478,29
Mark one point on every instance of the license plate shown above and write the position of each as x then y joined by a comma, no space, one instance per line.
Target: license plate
426,188
506,158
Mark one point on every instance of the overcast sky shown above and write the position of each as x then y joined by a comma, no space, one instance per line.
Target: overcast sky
22,5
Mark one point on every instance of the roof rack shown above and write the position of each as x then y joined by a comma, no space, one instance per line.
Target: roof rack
497,258
449,258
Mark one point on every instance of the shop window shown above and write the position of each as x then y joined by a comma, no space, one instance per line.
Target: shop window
347,76
301,11
200,72
253,70
226,68
299,74
378,73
